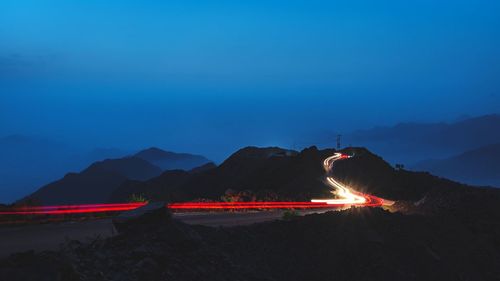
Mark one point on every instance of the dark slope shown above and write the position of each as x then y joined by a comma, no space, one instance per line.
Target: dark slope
162,188
278,174
369,173
479,166
288,175
167,160
96,183
203,168
418,192
262,171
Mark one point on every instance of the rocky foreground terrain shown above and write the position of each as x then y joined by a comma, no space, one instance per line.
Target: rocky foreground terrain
356,244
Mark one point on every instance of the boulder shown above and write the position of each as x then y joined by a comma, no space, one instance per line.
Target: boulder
147,215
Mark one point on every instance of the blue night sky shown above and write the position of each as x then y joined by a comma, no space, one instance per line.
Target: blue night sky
211,76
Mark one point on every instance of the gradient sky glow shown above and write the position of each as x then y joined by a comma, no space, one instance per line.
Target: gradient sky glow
212,76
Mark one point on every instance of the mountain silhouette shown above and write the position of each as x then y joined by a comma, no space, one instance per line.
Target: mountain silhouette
279,174
409,143
261,171
270,173
26,163
96,183
163,187
479,166
167,160
369,173
203,168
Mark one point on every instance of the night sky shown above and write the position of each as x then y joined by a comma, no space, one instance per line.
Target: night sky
211,76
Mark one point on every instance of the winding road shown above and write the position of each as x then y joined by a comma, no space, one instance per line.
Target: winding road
35,236
344,196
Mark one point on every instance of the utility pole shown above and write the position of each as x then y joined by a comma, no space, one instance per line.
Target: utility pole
339,136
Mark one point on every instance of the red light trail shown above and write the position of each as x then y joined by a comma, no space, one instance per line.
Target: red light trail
347,197
71,209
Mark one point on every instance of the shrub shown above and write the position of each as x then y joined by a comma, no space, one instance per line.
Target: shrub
138,198
290,214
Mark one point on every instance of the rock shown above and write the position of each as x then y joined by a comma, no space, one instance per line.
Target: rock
150,214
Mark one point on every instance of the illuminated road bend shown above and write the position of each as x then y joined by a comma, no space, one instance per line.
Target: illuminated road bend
345,197
345,194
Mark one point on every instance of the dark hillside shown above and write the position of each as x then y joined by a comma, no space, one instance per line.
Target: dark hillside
418,192
160,188
369,173
96,183
263,171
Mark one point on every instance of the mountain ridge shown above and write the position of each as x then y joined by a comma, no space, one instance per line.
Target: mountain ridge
168,160
411,142
71,189
94,184
479,166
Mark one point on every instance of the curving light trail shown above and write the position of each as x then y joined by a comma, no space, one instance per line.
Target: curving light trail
345,194
345,197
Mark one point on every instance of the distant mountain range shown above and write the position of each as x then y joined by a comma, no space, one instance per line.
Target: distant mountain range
275,173
478,167
29,162
440,148
409,143
170,160
96,183
251,173
263,172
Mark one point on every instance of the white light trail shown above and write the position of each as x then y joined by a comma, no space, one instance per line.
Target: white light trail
345,194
